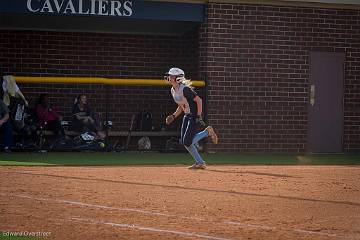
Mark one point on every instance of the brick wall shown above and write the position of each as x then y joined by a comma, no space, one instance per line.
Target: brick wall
40,53
256,62
254,58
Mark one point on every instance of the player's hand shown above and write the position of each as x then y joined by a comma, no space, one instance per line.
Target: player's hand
200,121
169,119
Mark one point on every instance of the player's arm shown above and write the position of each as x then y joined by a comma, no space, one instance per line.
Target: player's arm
199,105
190,94
169,119
6,115
199,119
19,93
178,111
4,119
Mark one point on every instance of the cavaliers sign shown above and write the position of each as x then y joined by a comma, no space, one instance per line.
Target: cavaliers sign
81,7
131,9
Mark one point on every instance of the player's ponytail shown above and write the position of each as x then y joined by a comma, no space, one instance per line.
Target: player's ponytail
186,82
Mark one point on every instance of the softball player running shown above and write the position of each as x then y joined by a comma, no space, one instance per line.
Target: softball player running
191,104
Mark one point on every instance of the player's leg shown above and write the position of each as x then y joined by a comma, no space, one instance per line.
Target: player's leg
6,129
184,131
208,132
189,133
212,134
195,154
184,126
199,136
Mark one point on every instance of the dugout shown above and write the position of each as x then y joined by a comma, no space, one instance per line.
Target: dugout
101,48
281,75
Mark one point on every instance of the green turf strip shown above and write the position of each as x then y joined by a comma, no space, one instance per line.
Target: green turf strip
135,158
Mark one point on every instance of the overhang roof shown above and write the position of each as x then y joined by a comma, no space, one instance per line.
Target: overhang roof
115,16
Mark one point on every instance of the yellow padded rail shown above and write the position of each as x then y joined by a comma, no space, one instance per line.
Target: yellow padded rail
97,80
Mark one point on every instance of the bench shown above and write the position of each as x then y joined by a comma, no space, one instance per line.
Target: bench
144,133
114,136
125,133
111,133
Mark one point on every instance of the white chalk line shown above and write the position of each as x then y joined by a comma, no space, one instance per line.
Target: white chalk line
318,233
105,207
264,227
245,225
150,229
239,224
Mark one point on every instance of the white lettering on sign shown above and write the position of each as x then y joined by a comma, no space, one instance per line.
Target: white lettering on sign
115,8
30,8
103,7
57,6
47,7
70,6
81,11
82,7
128,8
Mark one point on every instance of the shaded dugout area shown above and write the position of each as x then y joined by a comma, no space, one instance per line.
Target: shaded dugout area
97,48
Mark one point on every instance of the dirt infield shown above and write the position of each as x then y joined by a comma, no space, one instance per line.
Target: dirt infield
222,202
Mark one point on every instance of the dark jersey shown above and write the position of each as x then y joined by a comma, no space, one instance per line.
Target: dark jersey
184,97
3,109
85,111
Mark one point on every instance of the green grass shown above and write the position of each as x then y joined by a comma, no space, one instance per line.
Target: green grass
134,158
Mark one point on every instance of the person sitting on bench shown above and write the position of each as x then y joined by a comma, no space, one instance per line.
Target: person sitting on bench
48,116
84,119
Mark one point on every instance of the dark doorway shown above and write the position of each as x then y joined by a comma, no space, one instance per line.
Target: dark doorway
326,114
